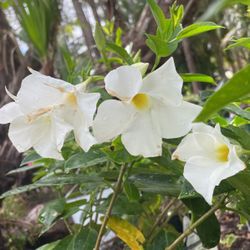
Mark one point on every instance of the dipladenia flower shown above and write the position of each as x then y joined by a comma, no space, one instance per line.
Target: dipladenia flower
148,109
209,157
45,110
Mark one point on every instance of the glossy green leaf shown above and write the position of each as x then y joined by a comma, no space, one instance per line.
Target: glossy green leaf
244,113
24,169
196,29
160,47
163,239
99,37
131,191
191,77
122,206
239,134
157,13
242,42
156,183
238,86
241,181
55,180
116,152
120,51
84,240
209,230
84,160
30,157
50,212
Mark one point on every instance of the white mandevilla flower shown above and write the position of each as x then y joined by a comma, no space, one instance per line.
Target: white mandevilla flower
45,110
149,109
209,157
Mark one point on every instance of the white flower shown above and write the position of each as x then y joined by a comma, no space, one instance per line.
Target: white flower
149,109
44,111
209,157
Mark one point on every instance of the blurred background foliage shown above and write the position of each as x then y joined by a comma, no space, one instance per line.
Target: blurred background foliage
57,38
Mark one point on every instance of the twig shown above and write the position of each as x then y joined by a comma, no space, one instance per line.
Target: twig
108,212
195,224
159,218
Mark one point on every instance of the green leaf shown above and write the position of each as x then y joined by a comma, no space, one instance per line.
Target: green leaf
157,13
156,183
25,168
242,42
32,156
241,181
99,37
209,230
238,86
131,191
120,51
85,160
49,246
163,239
188,192
197,28
122,206
238,111
117,153
55,180
191,77
84,240
239,134
50,212
160,47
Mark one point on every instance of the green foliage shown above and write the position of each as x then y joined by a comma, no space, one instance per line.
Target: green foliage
237,87
241,42
38,19
147,183
191,77
209,230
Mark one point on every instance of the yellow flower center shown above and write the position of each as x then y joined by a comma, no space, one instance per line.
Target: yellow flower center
222,152
70,98
141,101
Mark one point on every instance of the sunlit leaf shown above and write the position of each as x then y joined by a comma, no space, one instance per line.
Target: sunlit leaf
126,232
196,29
238,86
192,77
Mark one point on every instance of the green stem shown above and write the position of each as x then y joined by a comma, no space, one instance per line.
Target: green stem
195,224
108,212
159,219
105,59
157,61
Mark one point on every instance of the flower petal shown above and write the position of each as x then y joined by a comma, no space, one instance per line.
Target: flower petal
204,174
142,137
9,112
81,131
53,131
164,83
195,144
20,133
123,82
112,118
87,105
36,93
175,121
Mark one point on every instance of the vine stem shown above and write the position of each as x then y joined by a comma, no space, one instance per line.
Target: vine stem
108,212
195,224
159,218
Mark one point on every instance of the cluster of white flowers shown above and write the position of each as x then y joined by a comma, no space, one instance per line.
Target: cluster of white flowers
148,109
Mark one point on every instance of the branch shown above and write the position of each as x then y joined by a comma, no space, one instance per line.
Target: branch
108,212
195,224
